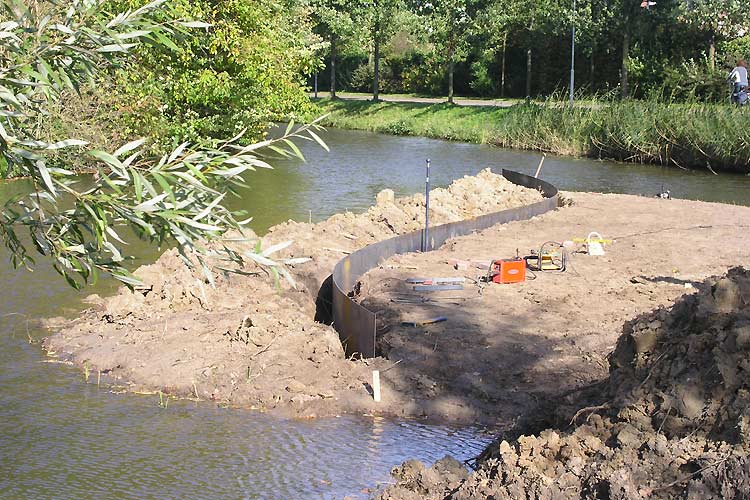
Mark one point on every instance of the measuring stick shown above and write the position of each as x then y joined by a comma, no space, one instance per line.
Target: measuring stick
539,168
376,385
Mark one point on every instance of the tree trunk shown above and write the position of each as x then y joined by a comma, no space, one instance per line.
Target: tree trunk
712,51
502,67
333,67
528,73
376,70
450,75
592,72
625,63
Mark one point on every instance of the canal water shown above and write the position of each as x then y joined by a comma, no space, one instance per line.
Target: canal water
61,437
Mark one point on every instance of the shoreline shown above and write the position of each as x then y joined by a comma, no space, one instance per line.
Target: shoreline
673,138
245,344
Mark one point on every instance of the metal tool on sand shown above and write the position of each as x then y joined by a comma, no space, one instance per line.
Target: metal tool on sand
436,288
423,322
434,281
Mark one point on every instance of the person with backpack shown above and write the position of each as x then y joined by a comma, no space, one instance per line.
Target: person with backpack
738,77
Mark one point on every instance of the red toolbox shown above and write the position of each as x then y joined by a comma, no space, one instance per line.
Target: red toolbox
508,271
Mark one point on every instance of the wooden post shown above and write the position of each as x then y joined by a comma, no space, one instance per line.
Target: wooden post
376,385
502,71
539,168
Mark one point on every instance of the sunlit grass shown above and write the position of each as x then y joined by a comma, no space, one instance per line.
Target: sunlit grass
688,135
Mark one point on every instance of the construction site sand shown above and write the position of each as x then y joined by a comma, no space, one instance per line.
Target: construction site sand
627,376
672,419
247,342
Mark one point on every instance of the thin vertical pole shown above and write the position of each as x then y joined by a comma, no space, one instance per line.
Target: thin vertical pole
316,84
539,168
426,238
376,385
573,55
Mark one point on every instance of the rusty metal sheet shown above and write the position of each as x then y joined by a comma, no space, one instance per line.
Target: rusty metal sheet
357,325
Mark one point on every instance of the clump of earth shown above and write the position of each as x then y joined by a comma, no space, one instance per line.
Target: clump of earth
251,340
672,419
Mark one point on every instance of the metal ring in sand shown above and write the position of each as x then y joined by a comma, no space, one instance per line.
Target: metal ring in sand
355,323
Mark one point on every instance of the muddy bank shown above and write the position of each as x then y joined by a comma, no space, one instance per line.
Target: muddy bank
672,419
249,342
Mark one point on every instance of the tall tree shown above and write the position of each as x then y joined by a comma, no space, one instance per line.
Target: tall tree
336,23
381,18
628,15
532,22
717,19
450,23
495,22
593,19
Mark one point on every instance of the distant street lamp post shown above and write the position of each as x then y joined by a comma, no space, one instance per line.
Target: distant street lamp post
573,55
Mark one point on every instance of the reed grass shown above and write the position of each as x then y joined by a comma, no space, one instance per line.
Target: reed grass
686,135
163,400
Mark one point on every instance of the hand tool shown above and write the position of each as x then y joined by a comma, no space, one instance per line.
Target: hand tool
423,322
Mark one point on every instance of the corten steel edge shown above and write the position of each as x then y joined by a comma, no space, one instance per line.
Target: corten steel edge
355,323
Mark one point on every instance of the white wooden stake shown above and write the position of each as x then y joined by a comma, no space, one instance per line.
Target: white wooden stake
376,385
539,168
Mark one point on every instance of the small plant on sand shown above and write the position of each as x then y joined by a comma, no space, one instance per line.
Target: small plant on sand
163,400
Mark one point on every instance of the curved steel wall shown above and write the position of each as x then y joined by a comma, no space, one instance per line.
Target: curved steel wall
356,325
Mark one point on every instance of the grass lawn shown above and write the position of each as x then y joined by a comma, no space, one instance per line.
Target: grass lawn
694,135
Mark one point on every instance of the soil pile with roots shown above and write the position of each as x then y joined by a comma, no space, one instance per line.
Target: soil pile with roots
672,420
247,340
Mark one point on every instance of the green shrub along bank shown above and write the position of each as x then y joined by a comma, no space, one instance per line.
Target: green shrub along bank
674,134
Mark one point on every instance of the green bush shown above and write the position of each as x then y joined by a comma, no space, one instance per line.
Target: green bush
244,71
695,81
423,75
362,78
731,50
482,81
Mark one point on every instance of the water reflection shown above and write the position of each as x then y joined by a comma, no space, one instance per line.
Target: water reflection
361,164
62,438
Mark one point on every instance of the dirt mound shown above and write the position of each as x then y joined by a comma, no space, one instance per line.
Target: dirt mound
671,420
249,342
689,367
465,198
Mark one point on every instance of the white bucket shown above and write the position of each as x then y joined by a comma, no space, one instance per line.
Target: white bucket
593,244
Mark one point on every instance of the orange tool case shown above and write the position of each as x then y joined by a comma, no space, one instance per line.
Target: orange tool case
508,271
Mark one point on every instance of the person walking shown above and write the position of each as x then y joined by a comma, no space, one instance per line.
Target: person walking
738,77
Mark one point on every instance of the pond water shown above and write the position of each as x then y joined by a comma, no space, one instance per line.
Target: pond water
61,437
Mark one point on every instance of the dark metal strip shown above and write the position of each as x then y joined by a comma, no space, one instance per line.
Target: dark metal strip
355,324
